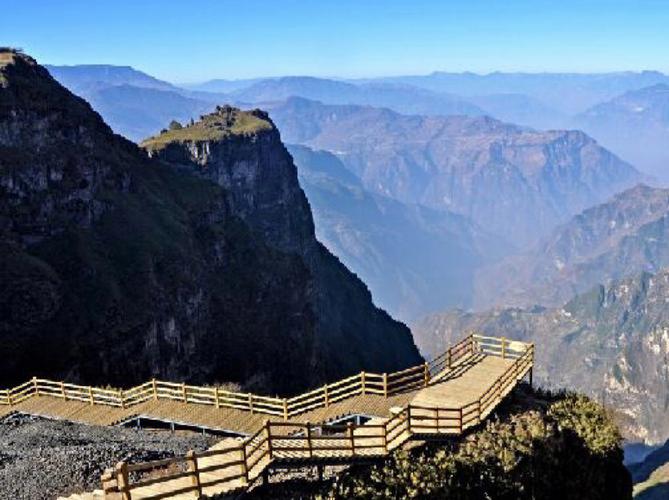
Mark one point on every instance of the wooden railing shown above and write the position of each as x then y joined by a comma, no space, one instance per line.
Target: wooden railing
386,384
292,442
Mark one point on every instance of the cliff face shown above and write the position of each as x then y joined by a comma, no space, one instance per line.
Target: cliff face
117,267
243,152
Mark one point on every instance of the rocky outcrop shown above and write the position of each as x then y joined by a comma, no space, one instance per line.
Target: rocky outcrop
118,267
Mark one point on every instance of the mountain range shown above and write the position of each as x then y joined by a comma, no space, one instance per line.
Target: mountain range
568,93
605,105
437,206
416,260
513,182
193,258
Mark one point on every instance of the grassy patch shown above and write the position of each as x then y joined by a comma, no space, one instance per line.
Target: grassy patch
224,122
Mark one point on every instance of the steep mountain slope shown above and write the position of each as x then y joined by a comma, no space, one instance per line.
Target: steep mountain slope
636,126
415,260
620,238
611,342
117,267
402,98
513,182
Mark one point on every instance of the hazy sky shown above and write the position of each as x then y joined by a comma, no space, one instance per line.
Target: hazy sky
192,40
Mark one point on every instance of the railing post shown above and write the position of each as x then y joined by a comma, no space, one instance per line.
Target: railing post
438,419
409,419
195,473
245,467
9,397
269,438
362,381
120,395
327,400
122,480
109,485
426,374
155,389
351,436
449,355
62,390
251,402
285,409
309,446
35,388
216,400
460,419
503,348
385,385
479,410
384,438
183,392
91,400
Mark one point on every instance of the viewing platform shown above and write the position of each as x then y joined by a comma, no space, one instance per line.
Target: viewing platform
438,399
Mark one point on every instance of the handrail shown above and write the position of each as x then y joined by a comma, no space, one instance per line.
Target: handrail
386,384
273,443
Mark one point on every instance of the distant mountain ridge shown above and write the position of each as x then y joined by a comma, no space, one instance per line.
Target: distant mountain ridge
81,76
636,126
569,93
512,181
401,98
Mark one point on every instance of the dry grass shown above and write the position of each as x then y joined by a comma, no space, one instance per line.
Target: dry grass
224,122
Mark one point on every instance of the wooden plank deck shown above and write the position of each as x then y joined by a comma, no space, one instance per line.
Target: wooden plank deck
468,383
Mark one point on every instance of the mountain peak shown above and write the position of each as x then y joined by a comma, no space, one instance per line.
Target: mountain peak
225,121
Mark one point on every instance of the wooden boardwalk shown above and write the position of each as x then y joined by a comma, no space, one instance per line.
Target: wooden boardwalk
455,391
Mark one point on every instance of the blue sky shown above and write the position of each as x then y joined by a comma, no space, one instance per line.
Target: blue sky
194,40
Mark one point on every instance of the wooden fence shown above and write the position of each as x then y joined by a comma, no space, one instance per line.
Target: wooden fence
386,384
279,442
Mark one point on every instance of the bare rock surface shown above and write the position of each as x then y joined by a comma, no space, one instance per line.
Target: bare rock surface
44,459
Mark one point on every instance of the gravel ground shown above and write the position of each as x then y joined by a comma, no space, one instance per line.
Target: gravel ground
42,459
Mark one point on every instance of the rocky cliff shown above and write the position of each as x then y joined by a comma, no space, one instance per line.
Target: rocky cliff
611,342
118,267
